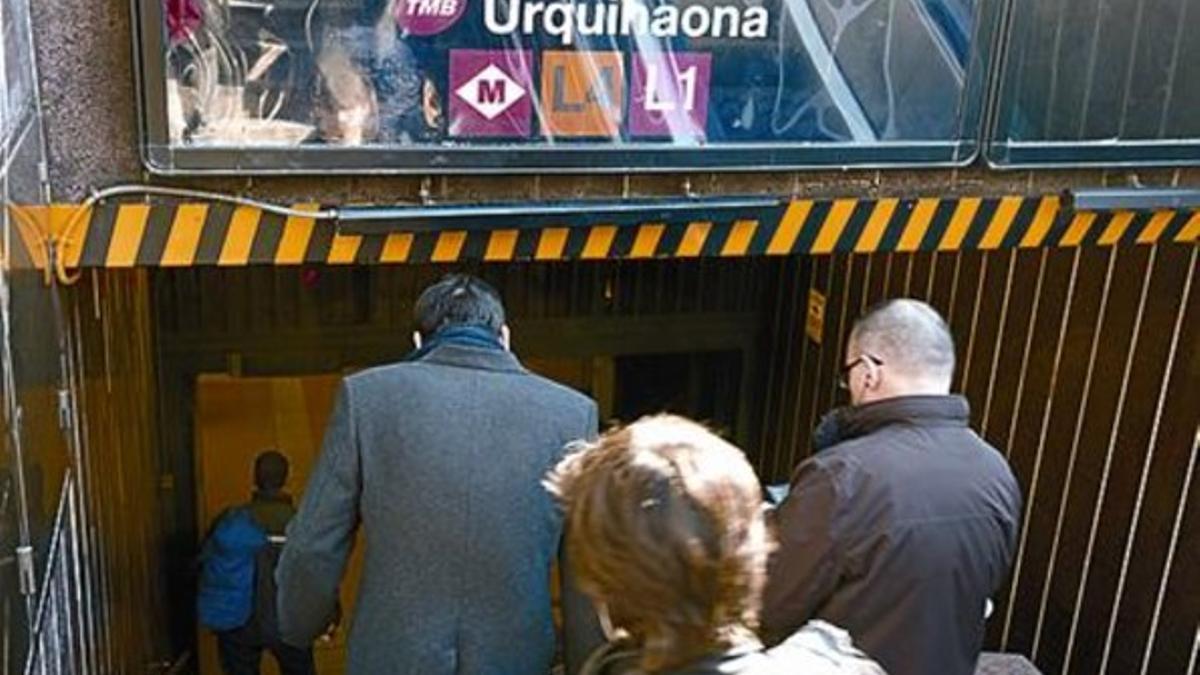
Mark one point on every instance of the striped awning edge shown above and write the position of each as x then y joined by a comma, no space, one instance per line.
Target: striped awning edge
202,234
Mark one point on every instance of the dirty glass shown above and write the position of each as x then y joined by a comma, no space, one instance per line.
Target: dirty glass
477,84
1112,82
17,64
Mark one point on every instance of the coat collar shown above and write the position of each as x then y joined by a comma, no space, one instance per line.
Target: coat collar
461,356
260,497
844,424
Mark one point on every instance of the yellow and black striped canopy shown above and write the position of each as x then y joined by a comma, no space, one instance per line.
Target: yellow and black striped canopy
186,234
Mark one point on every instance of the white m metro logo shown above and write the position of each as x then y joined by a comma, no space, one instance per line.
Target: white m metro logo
490,92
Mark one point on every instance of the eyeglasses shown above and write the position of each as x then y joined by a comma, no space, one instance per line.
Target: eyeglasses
844,378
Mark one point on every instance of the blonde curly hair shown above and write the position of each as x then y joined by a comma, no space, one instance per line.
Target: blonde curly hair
665,527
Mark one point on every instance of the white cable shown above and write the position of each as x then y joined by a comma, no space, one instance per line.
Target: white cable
308,33
65,277
139,189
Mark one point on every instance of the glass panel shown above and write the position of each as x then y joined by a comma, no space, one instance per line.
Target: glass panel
1109,81
17,63
459,84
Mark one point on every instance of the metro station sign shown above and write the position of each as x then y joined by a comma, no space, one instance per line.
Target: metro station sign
459,85
491,93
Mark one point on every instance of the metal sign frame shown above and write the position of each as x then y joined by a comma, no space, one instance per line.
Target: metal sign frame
162,158
1004,154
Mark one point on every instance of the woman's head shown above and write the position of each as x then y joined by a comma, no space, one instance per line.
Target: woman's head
665,528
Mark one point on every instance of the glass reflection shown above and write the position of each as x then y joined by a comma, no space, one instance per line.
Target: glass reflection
691,72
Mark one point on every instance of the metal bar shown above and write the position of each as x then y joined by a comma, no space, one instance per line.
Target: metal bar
1144,480
42,617
792,346
819,355
1184,493
1031,499
164,160
1076,437
1133,199
369,220
6,624
1000,328
1126,153
768,397
1081,594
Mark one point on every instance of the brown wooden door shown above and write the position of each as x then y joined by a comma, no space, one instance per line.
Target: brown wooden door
236,418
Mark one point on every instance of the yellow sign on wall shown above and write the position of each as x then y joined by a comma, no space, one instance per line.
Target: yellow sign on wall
815,323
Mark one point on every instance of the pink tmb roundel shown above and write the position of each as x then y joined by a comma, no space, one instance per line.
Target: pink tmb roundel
428,17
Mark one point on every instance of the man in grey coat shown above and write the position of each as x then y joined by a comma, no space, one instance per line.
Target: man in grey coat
905,521
440,458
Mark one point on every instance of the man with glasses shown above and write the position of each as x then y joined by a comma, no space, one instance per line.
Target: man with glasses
904,522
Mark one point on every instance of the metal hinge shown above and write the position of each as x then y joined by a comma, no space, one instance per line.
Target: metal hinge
65,410
26,575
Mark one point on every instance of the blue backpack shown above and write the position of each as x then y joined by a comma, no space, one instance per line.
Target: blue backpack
225,600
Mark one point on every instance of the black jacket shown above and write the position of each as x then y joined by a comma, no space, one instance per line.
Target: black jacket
898,532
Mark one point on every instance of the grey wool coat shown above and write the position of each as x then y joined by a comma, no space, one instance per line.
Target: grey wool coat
441,462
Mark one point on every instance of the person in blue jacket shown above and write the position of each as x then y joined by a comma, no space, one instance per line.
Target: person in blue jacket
237,586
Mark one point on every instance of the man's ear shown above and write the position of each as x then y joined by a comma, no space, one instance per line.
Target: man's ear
417,339
872,377
506,337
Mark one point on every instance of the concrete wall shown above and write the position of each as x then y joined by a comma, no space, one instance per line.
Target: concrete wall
86,53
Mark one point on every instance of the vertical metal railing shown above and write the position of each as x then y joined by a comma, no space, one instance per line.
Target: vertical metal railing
56,642
81,594
27,449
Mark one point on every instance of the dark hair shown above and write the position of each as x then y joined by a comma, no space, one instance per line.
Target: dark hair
270,471
457,300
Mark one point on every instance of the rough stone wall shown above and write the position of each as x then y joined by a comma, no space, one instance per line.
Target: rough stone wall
86,59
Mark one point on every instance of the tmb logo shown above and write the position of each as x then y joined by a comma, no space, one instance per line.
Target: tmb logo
490,93
432,7
428,17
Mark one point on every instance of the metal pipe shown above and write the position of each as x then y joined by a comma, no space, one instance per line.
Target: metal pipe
45,613
367,220
12,414
1133,199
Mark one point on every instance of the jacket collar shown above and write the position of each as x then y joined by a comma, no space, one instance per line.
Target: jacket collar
844,424
260,497
461,356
